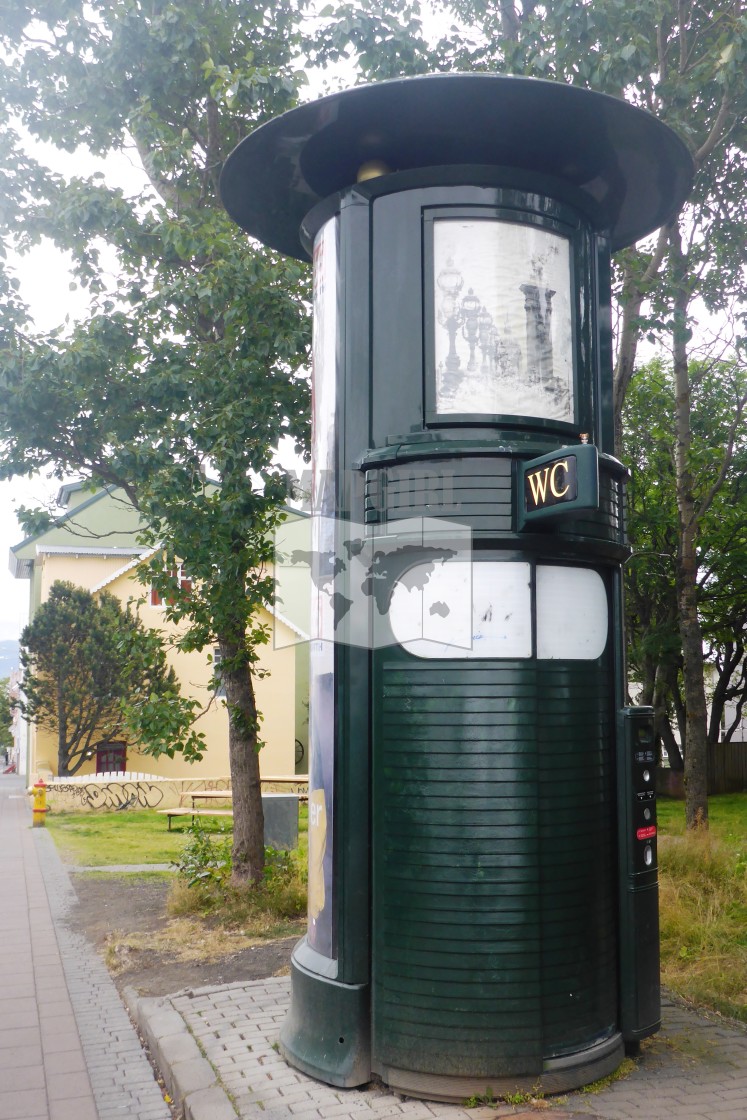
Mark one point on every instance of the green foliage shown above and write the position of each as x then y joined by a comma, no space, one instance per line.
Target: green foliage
655,650
93,672
703,909
384,40
205,858
206,889
626,1067
193,358
6,715
488,1099
728,818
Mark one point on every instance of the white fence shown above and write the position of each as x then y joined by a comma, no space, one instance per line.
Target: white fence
110,776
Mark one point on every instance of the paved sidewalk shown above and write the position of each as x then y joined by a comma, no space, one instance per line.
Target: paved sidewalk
68,1050
694,1069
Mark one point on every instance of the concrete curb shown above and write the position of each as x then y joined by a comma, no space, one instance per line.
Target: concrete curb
190,1079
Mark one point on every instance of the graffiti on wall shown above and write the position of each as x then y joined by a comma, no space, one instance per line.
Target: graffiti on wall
129,792
112,795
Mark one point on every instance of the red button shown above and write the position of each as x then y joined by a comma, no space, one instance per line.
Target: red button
646,833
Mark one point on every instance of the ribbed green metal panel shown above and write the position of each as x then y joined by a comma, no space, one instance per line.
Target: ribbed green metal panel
607,522
437,971
493,920
477,491
576,809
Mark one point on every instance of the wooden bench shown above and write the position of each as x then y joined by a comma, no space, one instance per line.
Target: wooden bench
171,813
196,795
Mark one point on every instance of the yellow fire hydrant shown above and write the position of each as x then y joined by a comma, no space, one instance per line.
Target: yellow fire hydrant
40,810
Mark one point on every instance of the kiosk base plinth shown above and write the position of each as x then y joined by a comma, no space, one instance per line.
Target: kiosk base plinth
326,1033
559,1075
327,1036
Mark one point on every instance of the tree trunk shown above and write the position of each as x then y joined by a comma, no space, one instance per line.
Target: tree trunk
243,751
673,683
696,739
634,289
696,726
632,301
62,751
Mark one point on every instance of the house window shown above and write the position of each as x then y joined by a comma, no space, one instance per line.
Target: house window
111,758
185,583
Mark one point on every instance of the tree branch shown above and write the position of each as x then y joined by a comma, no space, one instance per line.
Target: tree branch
705,503
715,134
683,15
167,191
509,20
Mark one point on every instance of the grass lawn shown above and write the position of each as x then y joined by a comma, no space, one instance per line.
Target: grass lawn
136,837
727,816
99,839
703,904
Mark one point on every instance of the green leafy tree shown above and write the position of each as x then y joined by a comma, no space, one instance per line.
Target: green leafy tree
192,360
655,649
6,715
93,672
652,632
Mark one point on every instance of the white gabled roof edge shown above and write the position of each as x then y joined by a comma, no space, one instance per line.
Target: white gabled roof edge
137,560
86,550
286,622
145,554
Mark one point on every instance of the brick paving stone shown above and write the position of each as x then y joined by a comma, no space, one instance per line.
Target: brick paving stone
696,1069
735,1093
61,1010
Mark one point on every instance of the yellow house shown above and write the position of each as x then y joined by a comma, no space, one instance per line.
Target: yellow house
93,544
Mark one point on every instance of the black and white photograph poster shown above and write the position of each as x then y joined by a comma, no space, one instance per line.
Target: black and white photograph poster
503,319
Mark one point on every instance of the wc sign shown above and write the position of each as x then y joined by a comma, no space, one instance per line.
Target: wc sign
558,484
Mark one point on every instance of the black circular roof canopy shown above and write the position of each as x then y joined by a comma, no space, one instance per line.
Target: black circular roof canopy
634,170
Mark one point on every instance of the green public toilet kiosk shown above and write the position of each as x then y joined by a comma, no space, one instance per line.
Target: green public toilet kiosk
483,908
